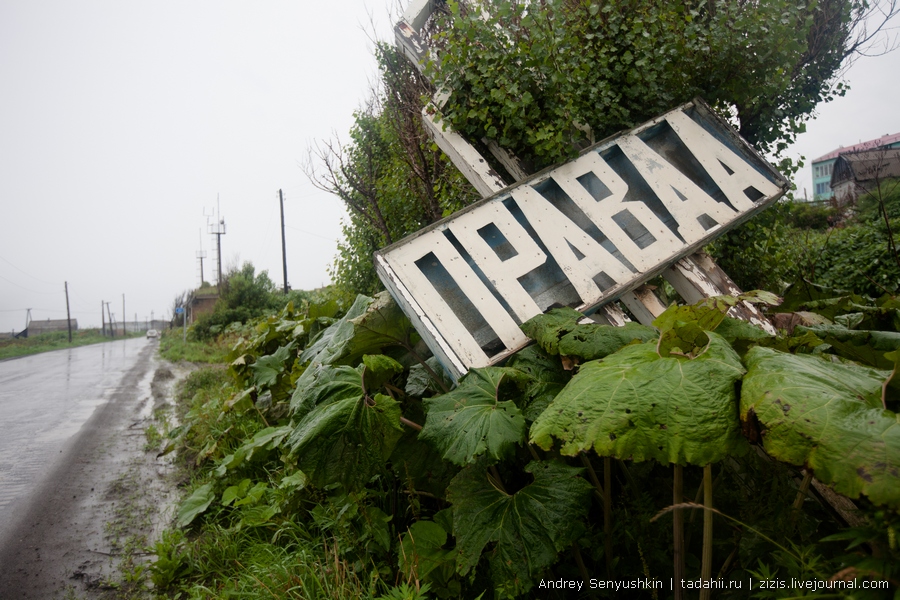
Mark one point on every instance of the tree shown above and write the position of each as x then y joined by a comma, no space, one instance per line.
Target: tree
543,79
390,176
243,295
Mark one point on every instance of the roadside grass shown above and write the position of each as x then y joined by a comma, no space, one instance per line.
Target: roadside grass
127,533
254,563
229,551
56,340
173,348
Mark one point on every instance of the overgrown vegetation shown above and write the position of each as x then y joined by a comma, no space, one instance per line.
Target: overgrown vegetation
546,82
174,346
333,460
849,248
543,82
243,295
391,176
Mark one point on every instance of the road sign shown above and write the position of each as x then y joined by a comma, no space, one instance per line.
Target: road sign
580,234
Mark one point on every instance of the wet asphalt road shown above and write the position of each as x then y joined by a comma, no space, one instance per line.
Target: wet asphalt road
45,399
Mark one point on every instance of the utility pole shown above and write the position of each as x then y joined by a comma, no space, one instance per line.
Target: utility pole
200,256
68,314
103,317
124,318
112,328
27,321
283,246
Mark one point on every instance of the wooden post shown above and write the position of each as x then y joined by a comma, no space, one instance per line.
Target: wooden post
698,276
283,246
68,314
678,529
112,328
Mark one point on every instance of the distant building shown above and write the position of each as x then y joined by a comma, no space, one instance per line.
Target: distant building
823,167
856,173
203,302
39,327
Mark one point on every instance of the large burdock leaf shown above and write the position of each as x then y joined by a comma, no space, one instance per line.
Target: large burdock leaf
548,328
560,331
472,420
370,325
194,505
529,528
868,347
828,417
323,383
264,440
541,377
347,440
637,405
591,341
268,369
421,550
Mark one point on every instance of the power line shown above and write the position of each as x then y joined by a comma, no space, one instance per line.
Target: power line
25,272
25,288
311,233
49,310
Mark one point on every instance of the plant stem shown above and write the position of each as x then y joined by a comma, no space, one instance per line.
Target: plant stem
631,484
592,475
495,475
576,554
706,566
409,423
678,529
607,513
604,493
803,491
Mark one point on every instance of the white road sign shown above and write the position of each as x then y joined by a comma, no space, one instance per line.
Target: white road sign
578,235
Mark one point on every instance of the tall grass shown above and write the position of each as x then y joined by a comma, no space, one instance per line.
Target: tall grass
257,564
221,557
173,348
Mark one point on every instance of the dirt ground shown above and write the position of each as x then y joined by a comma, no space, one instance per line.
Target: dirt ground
84,533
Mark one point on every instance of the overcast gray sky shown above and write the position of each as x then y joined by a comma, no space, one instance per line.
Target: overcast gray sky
122,122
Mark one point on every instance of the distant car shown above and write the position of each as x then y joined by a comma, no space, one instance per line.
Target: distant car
152,333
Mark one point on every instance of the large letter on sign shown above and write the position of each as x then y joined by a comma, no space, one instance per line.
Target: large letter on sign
562,238
681,196
732,174
433,304
503,274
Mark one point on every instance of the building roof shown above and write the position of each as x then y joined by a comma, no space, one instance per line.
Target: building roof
867,166
884,140
51,322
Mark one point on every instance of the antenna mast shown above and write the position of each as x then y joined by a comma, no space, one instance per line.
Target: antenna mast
218,229
200,256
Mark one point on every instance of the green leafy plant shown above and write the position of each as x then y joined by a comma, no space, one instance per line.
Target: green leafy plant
374,461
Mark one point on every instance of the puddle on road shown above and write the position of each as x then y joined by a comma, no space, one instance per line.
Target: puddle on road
34,442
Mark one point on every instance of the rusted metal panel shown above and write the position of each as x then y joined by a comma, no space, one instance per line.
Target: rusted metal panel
581,234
